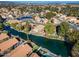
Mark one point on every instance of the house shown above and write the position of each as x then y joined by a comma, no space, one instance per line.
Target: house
44,20
3,36
7,44
37,19
56,21
76,22
62,17
46,11
71,19
10,17
39,29
34,55
40,20
42,13
20,51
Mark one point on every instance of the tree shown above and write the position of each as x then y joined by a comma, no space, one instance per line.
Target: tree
35,48
27,27
75,50
1,19
49,28
64,28
70,11
49,15
1,26
13,25
38,9
26,30
73,36
19,27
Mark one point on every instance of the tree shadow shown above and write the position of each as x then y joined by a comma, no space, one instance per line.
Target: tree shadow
55,46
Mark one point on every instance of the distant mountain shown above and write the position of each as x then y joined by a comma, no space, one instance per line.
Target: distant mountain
37,2
48,2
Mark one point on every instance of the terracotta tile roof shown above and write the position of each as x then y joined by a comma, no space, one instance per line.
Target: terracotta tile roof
34,55
3,36
20,51
7,44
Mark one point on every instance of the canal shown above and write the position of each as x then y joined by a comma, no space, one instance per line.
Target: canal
55,46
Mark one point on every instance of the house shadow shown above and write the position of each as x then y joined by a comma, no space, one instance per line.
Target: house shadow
55,46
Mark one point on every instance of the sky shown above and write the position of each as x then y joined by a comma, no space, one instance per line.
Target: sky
39,0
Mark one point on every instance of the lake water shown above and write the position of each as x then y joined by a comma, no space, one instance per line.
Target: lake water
24,17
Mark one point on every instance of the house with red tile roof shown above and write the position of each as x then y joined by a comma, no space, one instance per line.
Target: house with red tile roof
3,36
7,44
20,51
